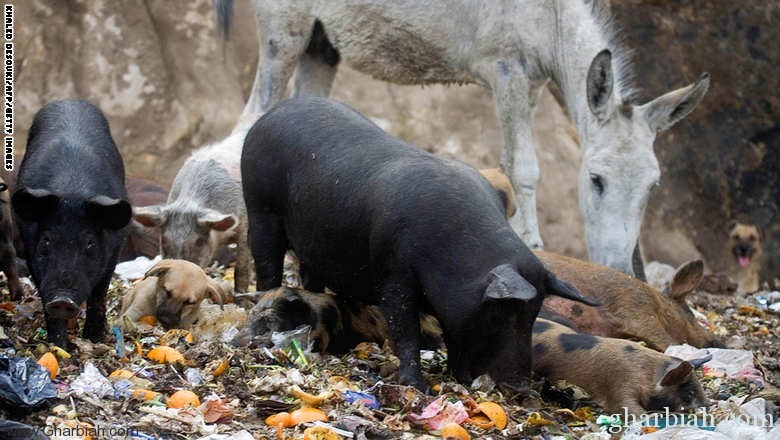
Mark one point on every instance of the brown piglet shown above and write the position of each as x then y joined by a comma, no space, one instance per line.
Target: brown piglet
623,376
631,308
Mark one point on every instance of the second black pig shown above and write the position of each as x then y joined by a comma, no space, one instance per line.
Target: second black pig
72,211
382,222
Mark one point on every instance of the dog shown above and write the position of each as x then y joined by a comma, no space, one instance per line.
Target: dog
744,246
503,187
172,291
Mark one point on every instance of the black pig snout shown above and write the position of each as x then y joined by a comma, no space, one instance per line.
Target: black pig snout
62,307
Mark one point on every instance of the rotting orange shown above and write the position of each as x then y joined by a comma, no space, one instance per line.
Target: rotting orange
49,362
279,419
165,355
481,421
121,374
309,399
222,367
183,399
453,431
145,394
320,433
494,412
307,415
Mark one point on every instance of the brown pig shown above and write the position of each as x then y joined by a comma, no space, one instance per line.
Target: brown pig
7,251
142,241
623,376
631,308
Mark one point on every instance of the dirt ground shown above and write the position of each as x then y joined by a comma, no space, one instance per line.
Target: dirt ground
256,382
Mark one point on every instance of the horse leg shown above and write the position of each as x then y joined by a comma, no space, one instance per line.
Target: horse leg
282,38
515,97
317,66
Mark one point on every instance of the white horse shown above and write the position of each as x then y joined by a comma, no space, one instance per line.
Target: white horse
511,46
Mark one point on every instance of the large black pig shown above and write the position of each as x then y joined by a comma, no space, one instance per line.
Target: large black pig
72,211
383,222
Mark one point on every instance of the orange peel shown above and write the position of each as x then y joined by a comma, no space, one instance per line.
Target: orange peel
494,413
309,399
144,394
453,431
307,415
282,419
165,355
49,362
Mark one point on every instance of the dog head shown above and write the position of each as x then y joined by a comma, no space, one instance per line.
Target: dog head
181,286
744,243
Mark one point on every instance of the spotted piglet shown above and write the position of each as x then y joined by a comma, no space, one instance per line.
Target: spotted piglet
623,376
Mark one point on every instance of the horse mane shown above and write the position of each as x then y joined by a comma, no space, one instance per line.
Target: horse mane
621,55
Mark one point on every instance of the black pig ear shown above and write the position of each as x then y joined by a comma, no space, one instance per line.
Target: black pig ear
677,375
506,283
111,213
32,204
557,286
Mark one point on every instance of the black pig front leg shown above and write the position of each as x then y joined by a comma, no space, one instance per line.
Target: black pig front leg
95,323
398,302
269,244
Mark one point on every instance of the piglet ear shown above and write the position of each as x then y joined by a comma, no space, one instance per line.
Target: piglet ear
32,204
506,283
217,221
686,279
696,363
677,375
109,212
149,216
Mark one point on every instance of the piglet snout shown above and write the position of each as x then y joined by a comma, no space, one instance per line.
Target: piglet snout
522,388
62,307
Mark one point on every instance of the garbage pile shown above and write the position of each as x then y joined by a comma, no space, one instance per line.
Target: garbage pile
146,383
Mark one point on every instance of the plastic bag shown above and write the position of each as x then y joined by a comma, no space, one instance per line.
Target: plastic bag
440,412
92,383
135,269
735,364
24,385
